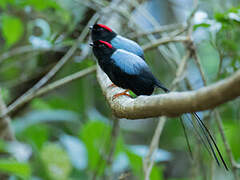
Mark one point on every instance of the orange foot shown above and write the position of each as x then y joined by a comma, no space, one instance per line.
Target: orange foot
124,93
112,85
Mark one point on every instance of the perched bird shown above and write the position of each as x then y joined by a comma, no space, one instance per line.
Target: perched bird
125,69
104,33
131,72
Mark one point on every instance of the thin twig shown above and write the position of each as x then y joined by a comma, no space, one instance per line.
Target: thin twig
191,45
221,56
181,69
26,49
149,159
6,132
163,41
197,60
113,142
114,136
53,86
161,29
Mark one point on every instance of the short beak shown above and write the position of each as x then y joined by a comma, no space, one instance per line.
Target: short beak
91,44
90,27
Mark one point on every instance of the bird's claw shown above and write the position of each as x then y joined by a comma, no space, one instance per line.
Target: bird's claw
112,85
121,94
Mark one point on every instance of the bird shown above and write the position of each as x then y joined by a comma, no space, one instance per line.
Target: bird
125,69
105,33
131,72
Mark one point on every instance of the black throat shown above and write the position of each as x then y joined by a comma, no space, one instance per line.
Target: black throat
103,54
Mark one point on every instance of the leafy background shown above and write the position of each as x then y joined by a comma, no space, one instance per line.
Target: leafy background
67,133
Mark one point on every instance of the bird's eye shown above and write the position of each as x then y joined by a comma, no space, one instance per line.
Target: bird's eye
99,29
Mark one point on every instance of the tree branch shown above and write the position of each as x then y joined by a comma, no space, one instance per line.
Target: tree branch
26,49
149,159
161,29
51,87
171,104
164,40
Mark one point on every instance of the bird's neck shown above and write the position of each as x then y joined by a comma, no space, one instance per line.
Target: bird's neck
103,55
111,36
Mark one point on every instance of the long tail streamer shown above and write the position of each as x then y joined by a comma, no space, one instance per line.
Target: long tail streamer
207,141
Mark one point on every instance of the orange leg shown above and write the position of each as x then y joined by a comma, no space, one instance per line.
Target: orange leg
124,93
112,85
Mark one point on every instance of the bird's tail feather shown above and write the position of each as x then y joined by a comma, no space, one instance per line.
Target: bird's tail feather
205,132
205,137
160,85
210,139
198,134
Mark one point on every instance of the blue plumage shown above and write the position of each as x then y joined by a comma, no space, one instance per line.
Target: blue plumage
120,42
128,62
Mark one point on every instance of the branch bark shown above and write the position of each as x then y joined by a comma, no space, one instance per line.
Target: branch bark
171,104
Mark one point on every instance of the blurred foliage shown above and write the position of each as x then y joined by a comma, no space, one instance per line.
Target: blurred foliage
12,29
15,167
67,133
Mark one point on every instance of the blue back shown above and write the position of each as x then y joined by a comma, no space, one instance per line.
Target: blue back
129,62
120,42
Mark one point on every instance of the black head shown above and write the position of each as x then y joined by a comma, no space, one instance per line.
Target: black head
102,49
102,32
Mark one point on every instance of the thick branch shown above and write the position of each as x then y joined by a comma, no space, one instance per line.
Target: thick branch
172,104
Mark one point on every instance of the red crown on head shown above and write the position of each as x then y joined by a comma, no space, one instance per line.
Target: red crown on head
105,27
106,43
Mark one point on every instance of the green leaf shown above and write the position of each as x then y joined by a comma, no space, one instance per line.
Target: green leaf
10,73
36,134
231,131
4,93
156,173
95,135
12,29
204,25
43,4
136,164
220,17
40,104
15,168
56,162
3,4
